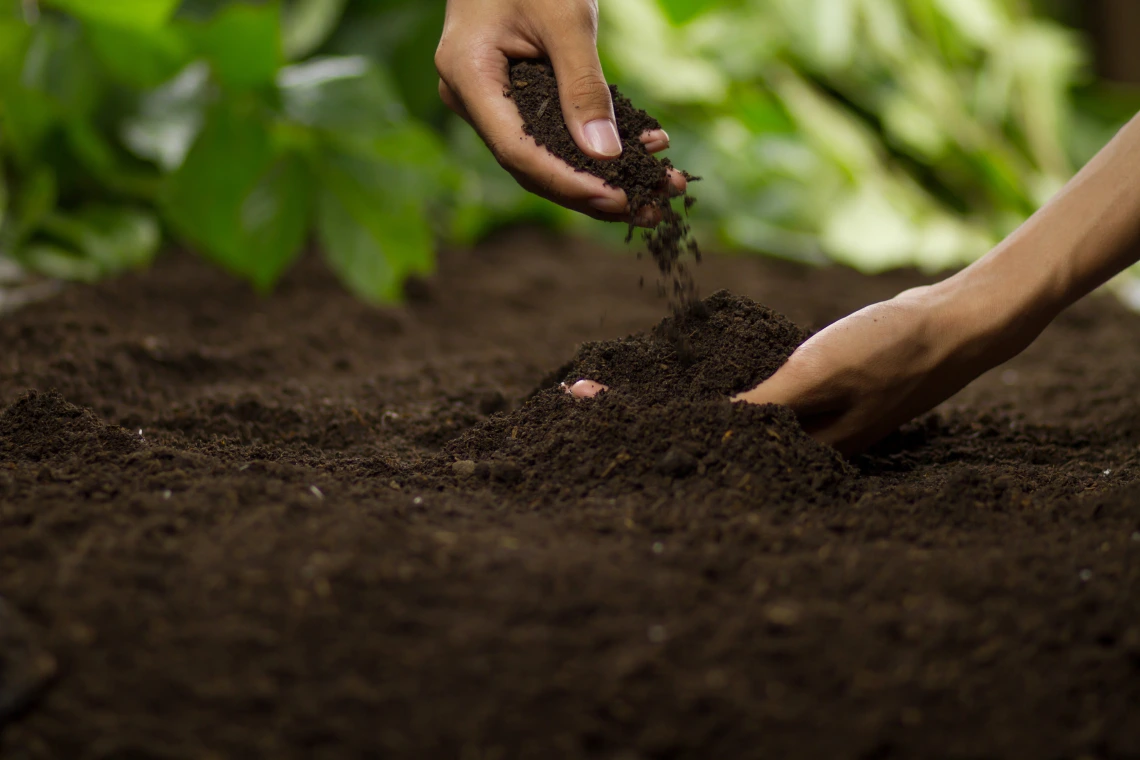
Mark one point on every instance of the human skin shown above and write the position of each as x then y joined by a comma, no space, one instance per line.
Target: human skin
479,36
859,379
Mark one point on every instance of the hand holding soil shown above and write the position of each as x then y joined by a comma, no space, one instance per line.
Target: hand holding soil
480,38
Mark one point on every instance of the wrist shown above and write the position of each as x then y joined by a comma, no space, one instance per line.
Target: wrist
997,309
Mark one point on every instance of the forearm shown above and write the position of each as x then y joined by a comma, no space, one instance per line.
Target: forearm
1086,234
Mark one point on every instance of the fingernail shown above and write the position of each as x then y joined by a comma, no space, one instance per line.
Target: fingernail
586,389
602,137
656,146
607,205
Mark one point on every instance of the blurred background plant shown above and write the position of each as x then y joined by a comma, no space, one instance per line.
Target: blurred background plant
876,133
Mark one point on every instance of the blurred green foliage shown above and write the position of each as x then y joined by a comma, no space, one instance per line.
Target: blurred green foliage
874,132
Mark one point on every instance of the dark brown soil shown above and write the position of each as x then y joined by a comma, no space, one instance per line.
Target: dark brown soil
643,176
297,527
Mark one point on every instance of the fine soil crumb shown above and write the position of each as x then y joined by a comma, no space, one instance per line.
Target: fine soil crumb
642,176
667,423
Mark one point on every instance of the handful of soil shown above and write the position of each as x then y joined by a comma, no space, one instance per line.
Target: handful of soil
640,174
666,424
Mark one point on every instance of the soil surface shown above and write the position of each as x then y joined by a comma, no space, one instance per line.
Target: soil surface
299,527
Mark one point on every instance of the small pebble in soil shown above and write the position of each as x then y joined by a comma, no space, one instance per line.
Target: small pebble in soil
676,463
1086,575
316,492
464,468
657,634
658,548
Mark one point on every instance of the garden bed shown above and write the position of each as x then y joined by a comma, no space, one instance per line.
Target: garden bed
235,527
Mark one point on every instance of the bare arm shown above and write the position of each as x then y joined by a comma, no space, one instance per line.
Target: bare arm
863,376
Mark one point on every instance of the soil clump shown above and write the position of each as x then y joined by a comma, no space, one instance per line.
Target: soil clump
642,176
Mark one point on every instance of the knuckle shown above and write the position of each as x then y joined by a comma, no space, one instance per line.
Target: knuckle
441,59
587,88
584,14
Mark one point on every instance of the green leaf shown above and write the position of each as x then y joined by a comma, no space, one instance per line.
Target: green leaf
306,24
59,65
203,199
56,261
169,119
343,94
132,14
682,11
35,200
14,37
374,235
26,118
4,198
114,238
242,44
139,59
275,219
245,207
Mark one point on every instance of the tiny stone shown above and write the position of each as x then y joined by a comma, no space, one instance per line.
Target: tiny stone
658,548
166,494
316,492
418,500
657,634
464,468
783,614
676,463
1086,575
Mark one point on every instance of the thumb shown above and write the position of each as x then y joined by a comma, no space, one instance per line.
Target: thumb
586,103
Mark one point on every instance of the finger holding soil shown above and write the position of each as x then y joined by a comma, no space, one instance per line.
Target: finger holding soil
646,182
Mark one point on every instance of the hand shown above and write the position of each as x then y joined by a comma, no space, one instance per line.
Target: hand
478,38
859,379
864,376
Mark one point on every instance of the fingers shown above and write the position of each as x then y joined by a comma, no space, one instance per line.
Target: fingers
585,389
473,88
475,92
586,103
655,140
452,101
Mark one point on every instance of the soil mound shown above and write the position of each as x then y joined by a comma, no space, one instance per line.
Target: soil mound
667,422
731,344
43,426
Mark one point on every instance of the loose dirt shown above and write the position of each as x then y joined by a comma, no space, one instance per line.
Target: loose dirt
298,527
642,175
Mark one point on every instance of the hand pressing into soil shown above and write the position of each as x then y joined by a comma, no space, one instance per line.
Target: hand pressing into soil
861,378
479,36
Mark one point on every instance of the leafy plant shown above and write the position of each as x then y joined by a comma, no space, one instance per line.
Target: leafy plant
121,119
878,133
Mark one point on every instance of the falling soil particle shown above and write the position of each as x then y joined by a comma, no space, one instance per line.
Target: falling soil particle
642,176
